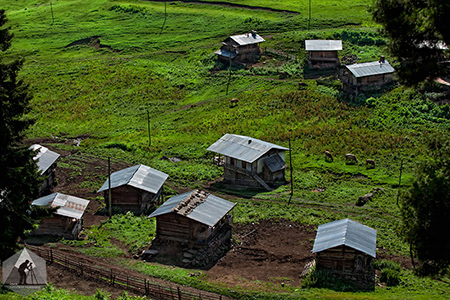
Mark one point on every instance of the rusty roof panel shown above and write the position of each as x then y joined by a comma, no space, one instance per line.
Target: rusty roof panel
69,206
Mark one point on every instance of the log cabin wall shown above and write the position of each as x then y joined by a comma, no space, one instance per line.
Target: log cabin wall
128,198
56,225
349,264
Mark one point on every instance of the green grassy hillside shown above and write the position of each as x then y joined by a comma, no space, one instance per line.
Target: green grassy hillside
164,64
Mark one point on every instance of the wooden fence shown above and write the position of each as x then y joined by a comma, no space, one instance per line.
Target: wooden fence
114,278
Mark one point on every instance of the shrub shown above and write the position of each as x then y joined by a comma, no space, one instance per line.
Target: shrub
390,277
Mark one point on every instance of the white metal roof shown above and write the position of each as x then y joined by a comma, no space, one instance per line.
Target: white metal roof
247,39
69,206
209,212
226,53
370,68
45,157
323,45
346,232
139,176
242,147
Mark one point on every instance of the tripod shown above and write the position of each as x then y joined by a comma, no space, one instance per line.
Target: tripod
32,275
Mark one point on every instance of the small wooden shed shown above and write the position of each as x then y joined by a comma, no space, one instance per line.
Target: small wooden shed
135,188
323,53
251,162
347,248
193,218
46,162
358,78
67,220
241,48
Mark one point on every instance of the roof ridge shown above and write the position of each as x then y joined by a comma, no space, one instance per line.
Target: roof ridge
134,173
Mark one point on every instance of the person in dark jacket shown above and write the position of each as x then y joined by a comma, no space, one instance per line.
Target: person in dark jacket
23,276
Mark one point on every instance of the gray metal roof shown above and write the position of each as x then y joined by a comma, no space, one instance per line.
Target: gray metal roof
45,158
139,176
370,68
323,45
346,232
226,53
209,212
274,163
242,147
69,206
247,39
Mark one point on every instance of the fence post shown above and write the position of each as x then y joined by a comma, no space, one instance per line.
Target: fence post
179,293
51,255
111,277
80,265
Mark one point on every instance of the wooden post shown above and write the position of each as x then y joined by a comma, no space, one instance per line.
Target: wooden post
309,20
179,293
51,8
400,179
149,131
290,169
109,188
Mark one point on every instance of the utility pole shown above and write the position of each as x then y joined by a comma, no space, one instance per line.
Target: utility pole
109,188
400,179
309,20
290,168
51,8
149,132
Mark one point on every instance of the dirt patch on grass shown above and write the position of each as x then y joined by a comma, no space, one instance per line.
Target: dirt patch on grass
268,251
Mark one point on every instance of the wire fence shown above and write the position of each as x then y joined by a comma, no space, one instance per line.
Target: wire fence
115,278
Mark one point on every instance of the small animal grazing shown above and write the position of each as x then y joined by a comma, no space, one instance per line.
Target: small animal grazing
350,159
234,102
370,164
328,156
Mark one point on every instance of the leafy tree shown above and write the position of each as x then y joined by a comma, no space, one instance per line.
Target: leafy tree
425,209
416,30
19,177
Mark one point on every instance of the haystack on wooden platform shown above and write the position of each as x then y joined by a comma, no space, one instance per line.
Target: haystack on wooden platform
135,188
251,162
347,248
67,220
46,162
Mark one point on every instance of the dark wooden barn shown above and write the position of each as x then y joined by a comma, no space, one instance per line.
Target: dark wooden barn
46,162
67,220
251,162
193,218
363,77
135,188
242,48
323,53
347,248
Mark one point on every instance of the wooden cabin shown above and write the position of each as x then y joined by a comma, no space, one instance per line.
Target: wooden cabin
46,162
363,77
242,48
135,188
67,220
193,218
251,162
323,53
347,248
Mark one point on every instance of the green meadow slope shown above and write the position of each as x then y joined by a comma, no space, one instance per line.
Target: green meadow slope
163,64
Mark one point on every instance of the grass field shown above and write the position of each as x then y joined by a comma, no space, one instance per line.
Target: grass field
164,64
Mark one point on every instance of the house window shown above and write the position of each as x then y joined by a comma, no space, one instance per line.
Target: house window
231,161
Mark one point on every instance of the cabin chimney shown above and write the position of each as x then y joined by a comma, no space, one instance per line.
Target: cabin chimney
382,60
253,33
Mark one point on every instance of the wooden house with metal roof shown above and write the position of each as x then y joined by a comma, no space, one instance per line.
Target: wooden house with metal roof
323,53
194,218
136,188
358,78
346,249
46,162
66,220
241,48
251,162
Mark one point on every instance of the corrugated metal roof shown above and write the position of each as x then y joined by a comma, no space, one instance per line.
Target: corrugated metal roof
346,232
45,158
323,45
209,212
247,39
242,147
370,68
69,206
139,176
226,53
274,163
